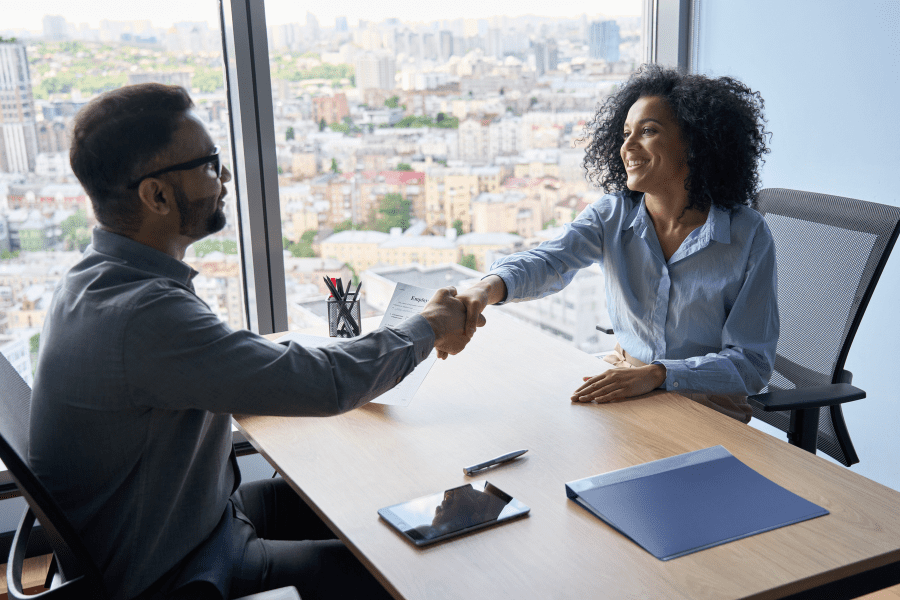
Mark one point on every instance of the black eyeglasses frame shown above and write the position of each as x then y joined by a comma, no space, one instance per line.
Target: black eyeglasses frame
185,166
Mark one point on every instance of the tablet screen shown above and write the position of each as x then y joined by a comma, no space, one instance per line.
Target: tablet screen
454,511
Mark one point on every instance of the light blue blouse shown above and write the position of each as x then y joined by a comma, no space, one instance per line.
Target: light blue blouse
709,313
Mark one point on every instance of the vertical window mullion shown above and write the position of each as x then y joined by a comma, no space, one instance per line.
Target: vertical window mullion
245,50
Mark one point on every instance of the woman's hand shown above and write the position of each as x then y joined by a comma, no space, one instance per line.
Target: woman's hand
476,298
617,384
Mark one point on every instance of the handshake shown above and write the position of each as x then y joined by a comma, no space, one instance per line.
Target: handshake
454,317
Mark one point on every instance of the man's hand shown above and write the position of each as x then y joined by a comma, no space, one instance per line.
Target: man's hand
617,384
447,316
489,290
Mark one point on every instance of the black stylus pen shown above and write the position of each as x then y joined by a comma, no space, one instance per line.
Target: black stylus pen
493,462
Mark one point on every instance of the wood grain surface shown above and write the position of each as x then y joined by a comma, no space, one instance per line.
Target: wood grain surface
510,389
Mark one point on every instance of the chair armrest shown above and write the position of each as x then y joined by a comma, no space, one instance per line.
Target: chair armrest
285,593
811,397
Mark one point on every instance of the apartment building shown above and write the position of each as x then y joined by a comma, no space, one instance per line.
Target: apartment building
507,211
449,193
356,248
482,245
331,109
18,129
374,186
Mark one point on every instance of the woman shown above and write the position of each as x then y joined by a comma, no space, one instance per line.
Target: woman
689,265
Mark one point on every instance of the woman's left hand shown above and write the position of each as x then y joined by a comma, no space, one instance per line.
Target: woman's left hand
617,384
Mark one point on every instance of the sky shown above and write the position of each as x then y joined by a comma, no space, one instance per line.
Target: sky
162,13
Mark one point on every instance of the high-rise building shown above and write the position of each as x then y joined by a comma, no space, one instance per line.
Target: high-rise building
375,70
604,40
446,45
494,43
552,55
312,26
18,131
540,58
55,27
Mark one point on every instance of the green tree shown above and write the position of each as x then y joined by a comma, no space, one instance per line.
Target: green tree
289,134
395,211
340,127
404,167
207,246
322,124
35,343
392,102
449,123
309,236
76,234
7,255
302,250
208,80
344,226
468,261
458,226
334,166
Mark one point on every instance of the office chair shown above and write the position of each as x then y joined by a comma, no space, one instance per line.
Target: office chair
830,252
73,574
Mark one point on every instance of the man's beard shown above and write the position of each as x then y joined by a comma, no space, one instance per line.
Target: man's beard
193,224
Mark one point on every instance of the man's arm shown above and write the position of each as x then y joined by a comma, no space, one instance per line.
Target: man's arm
179,355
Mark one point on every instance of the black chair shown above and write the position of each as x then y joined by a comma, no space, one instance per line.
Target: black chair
831,252
73,574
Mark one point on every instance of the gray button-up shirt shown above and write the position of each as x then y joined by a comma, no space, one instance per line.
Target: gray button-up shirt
136,382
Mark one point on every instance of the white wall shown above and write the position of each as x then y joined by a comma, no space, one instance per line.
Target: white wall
829,72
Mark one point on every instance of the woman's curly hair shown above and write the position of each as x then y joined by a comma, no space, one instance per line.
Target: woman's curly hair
722,126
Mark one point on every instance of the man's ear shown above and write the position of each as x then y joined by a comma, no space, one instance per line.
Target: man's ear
156,196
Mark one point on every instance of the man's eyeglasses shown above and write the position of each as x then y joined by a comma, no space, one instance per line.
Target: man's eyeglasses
185,166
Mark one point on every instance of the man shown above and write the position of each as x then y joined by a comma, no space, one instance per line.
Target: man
137,379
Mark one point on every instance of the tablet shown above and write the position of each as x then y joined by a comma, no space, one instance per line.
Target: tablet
453,512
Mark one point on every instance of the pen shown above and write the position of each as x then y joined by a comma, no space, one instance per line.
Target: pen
493,462
343,311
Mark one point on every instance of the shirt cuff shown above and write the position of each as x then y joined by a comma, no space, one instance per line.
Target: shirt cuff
676,374
506,282
420,333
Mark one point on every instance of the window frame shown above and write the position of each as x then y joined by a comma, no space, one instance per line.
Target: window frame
245,53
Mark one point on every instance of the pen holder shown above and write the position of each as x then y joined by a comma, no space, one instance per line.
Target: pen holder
338,324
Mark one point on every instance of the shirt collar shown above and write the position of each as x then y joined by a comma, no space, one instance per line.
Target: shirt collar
719,223
637,218
141,256
716,228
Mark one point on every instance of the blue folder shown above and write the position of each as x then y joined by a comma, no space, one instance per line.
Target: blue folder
690,502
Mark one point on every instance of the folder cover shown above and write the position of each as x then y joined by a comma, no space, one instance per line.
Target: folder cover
690,502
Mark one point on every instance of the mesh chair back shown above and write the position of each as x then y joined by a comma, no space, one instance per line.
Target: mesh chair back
71,556
830,252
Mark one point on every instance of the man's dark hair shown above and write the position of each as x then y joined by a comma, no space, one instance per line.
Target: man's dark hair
114,139
722,126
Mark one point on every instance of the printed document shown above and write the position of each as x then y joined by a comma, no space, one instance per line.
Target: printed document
408,300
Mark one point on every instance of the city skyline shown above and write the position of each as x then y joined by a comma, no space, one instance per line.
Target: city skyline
30,16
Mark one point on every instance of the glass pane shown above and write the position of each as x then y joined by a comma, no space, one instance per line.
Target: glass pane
419,141
51,65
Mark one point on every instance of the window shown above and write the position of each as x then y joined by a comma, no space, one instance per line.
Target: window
45,216
436,122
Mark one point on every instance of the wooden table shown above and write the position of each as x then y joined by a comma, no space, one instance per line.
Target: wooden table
510,389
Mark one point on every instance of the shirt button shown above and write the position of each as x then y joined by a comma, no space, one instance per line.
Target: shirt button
675,384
